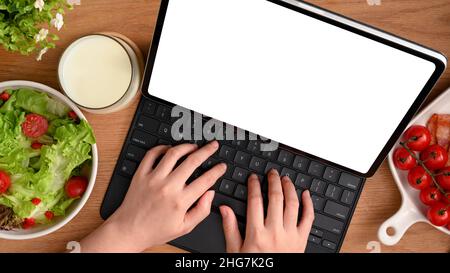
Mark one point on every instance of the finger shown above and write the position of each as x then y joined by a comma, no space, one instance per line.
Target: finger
275,208
150,158
198,213
194,160
307,215
200,185
233,237
291,203
255,208
172,156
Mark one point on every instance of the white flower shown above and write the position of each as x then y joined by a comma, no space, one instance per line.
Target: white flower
74,2
58,21
39,4
41,35
41,53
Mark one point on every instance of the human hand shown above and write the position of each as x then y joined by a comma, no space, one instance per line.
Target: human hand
157,207
280,231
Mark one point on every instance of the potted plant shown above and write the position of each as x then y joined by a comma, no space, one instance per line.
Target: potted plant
25,25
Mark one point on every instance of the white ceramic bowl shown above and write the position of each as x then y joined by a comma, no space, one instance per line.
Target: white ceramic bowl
72,211
412,210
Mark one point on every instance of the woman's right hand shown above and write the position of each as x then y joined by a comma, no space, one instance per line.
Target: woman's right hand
280,231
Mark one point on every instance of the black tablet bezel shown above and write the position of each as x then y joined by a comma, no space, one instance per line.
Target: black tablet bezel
440,67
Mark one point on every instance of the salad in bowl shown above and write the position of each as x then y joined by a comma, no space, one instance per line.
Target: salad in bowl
48,160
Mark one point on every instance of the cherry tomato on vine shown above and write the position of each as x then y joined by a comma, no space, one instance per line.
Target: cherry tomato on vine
434,157
417,137
444,178
430,196
418,178
439,215
403,160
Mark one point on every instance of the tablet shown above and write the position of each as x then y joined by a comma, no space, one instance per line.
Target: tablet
312,80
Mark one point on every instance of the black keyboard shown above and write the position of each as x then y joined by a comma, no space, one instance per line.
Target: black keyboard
334,192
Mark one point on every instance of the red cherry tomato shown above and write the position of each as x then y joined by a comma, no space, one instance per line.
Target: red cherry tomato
72,115
36,201
418,178
403,160
36,145
5,182
434,157
444,178
76,186
417,137
446,198
49,215
34,125
4,96
430,196
439,215
28,223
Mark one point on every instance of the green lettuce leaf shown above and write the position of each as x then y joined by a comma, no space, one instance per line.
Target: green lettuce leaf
40,103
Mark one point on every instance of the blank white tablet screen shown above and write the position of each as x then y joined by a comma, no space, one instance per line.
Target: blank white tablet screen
286,76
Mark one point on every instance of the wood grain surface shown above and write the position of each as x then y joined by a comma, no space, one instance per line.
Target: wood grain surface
426,22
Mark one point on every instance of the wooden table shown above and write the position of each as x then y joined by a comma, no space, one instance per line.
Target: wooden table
426,22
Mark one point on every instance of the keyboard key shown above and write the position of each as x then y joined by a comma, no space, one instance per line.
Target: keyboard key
303,181
301,163
349,181
316,169
318,202
135,153
241,192
242,144
209,163
329,224
257,164
348,197
329,245
289,173
149,107
227,187
271,166
316,232
165,131
271,155
148,124
314,239
143,139
227,153
331,174
285,157
163,113
299,195
128,167
336,210
242,158
229,171
240,175
164,142
254,146
333,192
239,208
318,186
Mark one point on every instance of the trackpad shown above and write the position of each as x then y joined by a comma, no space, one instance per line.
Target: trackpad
207,237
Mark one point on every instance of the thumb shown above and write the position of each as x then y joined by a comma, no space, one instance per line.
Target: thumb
199,212
230,227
